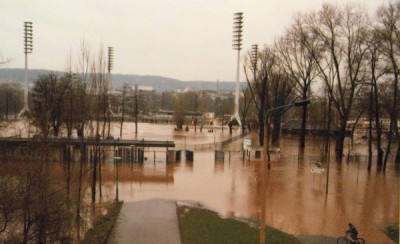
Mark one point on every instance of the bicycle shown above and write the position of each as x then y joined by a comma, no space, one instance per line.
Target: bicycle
349,240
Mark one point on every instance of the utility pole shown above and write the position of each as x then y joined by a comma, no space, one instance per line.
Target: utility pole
136,109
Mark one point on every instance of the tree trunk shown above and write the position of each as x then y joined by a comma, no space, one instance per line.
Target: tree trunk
340,142
370,130
303,124
397,158
389,144
79,190
123,114
396,130
276,127
378,127
328,128
261,126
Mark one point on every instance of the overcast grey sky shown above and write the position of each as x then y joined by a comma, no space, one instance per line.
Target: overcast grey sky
181,39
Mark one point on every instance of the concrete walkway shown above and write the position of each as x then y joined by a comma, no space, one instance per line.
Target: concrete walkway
148,222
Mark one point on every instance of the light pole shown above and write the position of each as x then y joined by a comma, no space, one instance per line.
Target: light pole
237,45
110,63
254,59
28,48
262,171
116,158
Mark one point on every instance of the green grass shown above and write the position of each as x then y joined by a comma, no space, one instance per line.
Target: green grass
392,231
103,225
204,226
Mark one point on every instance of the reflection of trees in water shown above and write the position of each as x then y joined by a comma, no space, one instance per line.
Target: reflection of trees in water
297,203
38,197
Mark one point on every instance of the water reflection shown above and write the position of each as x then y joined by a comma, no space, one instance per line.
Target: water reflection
295,198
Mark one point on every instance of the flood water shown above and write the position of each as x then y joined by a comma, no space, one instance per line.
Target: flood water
296,199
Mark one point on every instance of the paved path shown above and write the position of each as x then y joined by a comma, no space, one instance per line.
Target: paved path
147,222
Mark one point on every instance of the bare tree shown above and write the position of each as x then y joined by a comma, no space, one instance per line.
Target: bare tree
83,98
281,93
297,50
99,89
245,106
179,112
378,71
258,79
388,32
82,116
124,90
342,34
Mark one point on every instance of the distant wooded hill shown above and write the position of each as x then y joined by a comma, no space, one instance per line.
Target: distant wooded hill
159,83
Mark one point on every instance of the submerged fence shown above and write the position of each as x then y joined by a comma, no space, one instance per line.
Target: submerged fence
205,146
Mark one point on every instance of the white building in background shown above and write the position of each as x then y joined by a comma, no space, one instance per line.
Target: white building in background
143,88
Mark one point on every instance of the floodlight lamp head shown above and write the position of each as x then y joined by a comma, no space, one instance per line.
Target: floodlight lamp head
28,36
237,31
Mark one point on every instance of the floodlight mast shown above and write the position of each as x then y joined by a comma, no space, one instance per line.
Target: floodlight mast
28,48
110,66
237,45
254,60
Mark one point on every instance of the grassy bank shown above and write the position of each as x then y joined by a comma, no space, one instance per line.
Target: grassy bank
199,225
103,225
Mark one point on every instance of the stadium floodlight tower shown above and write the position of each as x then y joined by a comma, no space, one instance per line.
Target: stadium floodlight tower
110,65
254,59
237,45
28,47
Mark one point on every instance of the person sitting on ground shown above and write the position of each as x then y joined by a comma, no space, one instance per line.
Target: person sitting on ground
352,232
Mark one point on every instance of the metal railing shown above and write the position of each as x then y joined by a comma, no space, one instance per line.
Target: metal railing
205,146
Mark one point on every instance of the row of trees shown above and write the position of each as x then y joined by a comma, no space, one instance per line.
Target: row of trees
54,103
77,100
343,52
11,97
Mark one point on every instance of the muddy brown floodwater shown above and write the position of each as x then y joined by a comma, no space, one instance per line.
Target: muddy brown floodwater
296,199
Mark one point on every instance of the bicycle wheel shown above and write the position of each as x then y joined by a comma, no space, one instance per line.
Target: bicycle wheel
360,240
342,240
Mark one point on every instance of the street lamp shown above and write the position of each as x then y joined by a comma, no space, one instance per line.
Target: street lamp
116,158
28,48
262,171
237,45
